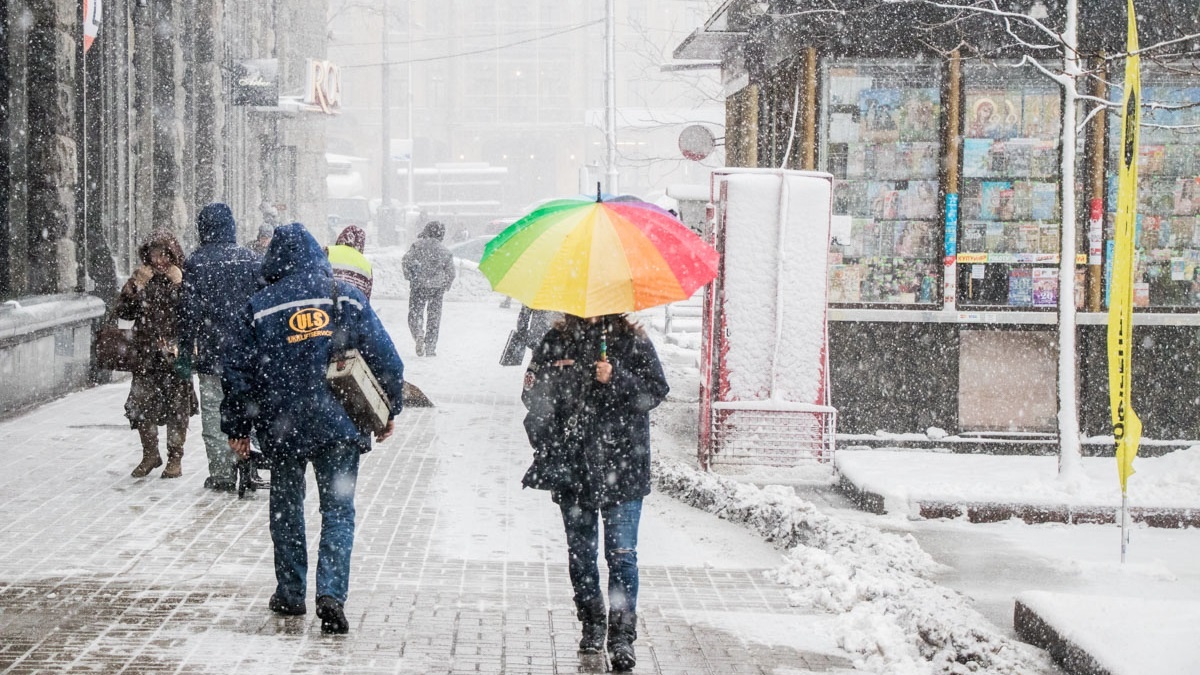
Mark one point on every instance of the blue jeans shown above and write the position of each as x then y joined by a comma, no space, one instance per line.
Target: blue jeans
620,552
337,472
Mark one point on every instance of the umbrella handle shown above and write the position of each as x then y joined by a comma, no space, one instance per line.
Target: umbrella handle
604,344
597,192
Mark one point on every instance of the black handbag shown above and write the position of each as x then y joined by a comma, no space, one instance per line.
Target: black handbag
514,349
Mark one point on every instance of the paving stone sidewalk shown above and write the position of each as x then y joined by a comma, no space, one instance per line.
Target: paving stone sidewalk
100,572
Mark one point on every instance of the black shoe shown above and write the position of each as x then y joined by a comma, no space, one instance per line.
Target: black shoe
287,609
220,485
333,617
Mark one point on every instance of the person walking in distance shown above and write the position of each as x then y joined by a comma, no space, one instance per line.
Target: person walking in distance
349,263
589,390
161,392
275,384
429,269
218,279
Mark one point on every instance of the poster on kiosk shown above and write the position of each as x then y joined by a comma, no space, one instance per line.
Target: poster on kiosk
764,354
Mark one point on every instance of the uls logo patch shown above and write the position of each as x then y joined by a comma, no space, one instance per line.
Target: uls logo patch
307,323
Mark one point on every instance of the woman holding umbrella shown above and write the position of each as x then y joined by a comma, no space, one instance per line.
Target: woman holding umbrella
589,389
595,377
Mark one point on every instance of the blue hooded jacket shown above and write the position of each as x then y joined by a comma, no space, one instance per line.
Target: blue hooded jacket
274,376
218,279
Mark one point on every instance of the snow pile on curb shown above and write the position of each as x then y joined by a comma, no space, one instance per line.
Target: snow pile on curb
875,580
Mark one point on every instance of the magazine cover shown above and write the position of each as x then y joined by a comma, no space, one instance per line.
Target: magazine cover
995,200
1044,202
845,283
884,200
1045,286
1029,238
974,237
1041,118
975,157
994,238
878,111
1187,197
1043,160
919,115
1050,240
1020,287
925,160
1151,158
920,200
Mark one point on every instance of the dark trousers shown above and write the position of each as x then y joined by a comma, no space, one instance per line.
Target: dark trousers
620,552
337,473
425,315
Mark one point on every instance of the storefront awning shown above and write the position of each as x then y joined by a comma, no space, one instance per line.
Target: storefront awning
717,36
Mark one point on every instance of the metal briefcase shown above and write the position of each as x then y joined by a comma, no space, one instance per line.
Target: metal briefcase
359,392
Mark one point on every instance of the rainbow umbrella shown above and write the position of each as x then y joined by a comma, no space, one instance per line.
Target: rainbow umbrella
591,258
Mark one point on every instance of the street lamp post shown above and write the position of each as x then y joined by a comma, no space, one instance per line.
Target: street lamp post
387,232
610,92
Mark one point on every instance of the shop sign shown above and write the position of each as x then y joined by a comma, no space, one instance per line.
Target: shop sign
256,83
972,258
323,86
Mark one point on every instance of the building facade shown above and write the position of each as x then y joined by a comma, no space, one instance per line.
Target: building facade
140,131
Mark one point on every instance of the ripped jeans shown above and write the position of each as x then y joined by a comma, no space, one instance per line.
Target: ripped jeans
620,552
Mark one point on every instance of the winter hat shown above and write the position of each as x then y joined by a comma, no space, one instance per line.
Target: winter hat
164,239
354,237
433,230
265,230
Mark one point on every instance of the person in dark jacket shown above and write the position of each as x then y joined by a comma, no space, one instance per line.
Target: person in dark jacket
218,279
160,394
429,269
589,389
275,384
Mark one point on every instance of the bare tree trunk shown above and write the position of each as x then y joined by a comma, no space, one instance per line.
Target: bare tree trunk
1069,459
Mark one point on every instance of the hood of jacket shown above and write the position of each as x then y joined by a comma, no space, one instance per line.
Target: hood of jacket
293,250
216,225
164,239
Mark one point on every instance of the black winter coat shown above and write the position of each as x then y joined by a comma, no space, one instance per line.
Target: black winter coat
591,441
218,279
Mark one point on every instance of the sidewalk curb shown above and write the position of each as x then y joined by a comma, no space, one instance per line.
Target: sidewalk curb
1035,630
993,512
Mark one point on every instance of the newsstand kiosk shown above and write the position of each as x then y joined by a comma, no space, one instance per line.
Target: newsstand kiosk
764,364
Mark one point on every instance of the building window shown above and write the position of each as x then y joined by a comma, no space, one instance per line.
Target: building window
880,122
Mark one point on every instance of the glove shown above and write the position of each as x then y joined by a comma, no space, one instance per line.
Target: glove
183,366
175,275
141,276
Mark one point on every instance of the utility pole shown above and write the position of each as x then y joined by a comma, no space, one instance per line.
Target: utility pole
387,228
610,91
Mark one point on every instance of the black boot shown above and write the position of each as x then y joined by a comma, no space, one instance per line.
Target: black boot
622,631
595,625
333,616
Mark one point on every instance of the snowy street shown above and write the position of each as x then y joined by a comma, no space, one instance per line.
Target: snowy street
455,568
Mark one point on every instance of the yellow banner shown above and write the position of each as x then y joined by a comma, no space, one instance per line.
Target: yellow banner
1127,428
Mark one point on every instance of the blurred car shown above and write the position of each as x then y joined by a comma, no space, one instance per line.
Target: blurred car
471,249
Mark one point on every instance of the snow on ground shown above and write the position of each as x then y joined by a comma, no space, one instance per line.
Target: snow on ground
905,479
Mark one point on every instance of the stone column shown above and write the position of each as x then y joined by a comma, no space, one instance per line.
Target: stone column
53,161
210,113
169,99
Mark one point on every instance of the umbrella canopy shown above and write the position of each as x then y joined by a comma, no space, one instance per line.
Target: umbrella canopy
591,258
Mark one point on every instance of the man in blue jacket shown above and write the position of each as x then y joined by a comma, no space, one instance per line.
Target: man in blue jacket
275,383
218,279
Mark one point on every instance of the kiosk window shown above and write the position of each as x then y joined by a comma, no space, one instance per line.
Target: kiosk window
1009,201
880,123
1167,235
